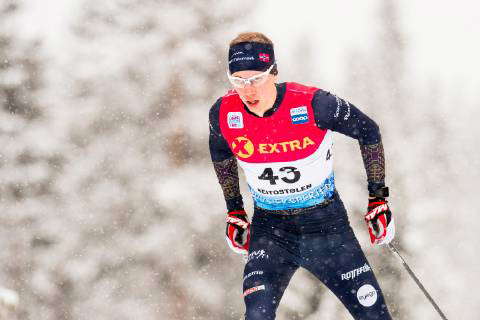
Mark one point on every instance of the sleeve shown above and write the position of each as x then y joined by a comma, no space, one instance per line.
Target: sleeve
219,149
336,114
224,162
339,115
374,162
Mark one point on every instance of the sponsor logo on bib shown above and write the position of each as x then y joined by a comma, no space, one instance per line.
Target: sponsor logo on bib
285,146
242,147
299,115
235,120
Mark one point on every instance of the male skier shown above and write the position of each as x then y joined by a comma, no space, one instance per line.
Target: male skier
281,135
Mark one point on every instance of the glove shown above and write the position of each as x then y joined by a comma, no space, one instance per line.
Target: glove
238,231
380,222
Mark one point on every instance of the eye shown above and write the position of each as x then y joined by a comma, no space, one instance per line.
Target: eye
256,78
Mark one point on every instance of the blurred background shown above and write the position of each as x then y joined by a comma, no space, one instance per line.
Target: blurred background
110,208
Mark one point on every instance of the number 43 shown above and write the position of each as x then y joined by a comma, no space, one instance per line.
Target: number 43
287,175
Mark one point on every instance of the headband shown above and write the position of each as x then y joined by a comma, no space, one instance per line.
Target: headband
250,56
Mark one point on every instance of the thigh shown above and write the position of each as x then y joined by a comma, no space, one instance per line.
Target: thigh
269,268
344,269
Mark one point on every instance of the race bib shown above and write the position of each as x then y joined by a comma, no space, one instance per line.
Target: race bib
294,184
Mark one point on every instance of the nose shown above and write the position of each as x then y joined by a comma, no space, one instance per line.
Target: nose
249,89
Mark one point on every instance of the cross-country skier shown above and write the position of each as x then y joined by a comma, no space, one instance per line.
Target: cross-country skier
281,135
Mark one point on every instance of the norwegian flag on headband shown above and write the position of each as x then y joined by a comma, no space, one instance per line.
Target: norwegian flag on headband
265,57
250,56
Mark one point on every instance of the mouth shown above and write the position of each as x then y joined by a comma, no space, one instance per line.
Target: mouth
252,103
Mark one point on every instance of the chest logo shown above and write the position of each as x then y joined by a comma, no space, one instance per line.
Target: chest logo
286,146
242,147
299,115
235,120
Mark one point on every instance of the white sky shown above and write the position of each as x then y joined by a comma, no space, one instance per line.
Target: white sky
442,36
46,18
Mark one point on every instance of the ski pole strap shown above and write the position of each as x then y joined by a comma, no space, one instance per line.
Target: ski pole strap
419,284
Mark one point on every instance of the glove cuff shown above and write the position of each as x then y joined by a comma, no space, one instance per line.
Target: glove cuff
237,213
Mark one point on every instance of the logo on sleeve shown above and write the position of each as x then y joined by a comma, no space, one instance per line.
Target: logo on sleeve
235,120
299,115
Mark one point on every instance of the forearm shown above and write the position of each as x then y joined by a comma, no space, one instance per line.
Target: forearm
374,162
227,174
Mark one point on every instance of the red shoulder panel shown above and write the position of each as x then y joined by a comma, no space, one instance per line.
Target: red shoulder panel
287,135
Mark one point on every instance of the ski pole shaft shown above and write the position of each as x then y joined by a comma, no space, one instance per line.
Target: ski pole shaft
419,284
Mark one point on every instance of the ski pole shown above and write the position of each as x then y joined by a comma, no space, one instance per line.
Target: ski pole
419,284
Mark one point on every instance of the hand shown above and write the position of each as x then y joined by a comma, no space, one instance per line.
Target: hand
238,231
380,222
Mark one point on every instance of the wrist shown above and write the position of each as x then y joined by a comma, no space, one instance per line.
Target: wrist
234,204
382,192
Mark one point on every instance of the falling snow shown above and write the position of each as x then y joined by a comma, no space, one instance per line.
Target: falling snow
110,208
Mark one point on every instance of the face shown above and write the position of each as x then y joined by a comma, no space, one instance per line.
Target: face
256,96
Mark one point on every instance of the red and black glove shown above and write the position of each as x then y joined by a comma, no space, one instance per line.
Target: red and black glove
380,222
238,231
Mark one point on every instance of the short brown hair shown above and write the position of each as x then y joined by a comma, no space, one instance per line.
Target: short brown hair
251,37
254,37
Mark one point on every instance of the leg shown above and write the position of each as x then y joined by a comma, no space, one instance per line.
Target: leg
267,273
344,269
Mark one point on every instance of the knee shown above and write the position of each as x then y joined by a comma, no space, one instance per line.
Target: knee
259,313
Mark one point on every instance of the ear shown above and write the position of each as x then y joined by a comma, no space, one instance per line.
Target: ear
273,78
237,90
